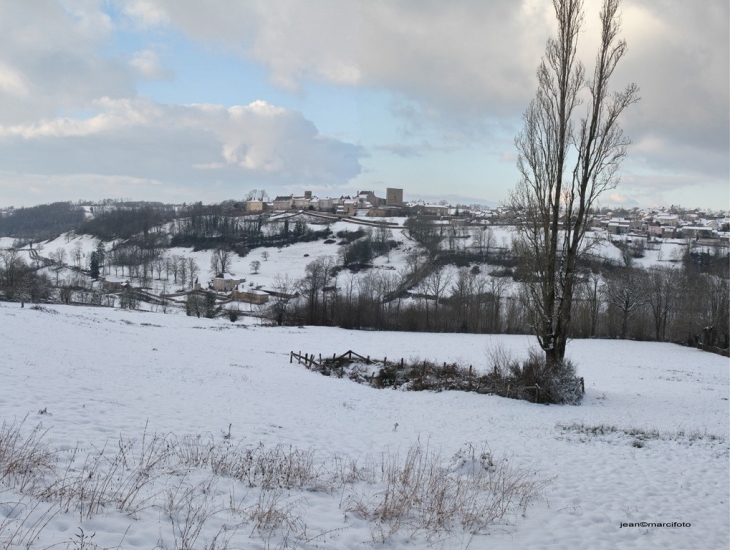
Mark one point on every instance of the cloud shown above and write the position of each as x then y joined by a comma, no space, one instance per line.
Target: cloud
190,146
467,68
12,82
411,151
679,57
50,59
146,64
31,188
467,55
145,13
455,73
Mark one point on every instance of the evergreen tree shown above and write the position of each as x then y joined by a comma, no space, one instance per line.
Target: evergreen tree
94,265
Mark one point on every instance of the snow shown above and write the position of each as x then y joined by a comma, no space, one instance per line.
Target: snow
660,413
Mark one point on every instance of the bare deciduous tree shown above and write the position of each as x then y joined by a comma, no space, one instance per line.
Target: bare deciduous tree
183,270
565,166
284,287
436,284
626,290
664,287
193,271
317,278
78,254
220,261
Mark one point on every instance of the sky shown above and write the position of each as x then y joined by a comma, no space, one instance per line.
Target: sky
185,101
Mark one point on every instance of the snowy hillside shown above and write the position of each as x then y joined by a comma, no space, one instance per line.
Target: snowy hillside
649,443
274,262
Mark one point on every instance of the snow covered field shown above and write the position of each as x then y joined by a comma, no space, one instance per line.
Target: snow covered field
649,443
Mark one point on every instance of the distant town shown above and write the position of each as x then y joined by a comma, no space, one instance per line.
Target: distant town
708,227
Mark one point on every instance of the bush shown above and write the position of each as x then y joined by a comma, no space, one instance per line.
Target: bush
535,380
531,380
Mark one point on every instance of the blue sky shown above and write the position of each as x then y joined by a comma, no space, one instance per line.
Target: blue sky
181,100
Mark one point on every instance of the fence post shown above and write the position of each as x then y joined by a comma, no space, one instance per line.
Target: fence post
291,357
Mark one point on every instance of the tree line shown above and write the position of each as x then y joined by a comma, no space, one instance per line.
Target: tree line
679,304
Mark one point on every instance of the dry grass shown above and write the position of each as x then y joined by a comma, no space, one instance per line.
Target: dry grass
280,467
421,495
417,493
25,460
22,522
640,435
110,478
188,508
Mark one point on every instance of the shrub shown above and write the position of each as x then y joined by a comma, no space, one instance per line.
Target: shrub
535,380
531,380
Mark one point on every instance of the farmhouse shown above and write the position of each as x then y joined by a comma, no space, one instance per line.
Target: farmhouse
225,282
250,296
114,283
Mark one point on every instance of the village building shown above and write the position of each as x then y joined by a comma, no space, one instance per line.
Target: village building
324,204
618,226
697,232
667,219
393,197
347,207
255,206
302,203
282,202
225,282
435,209
114,283
654,230
250,295
384,211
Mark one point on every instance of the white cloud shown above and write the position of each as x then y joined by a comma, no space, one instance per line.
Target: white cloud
464,55
463,67
12,82
146,64
186,145
50,59
144,12
456,73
